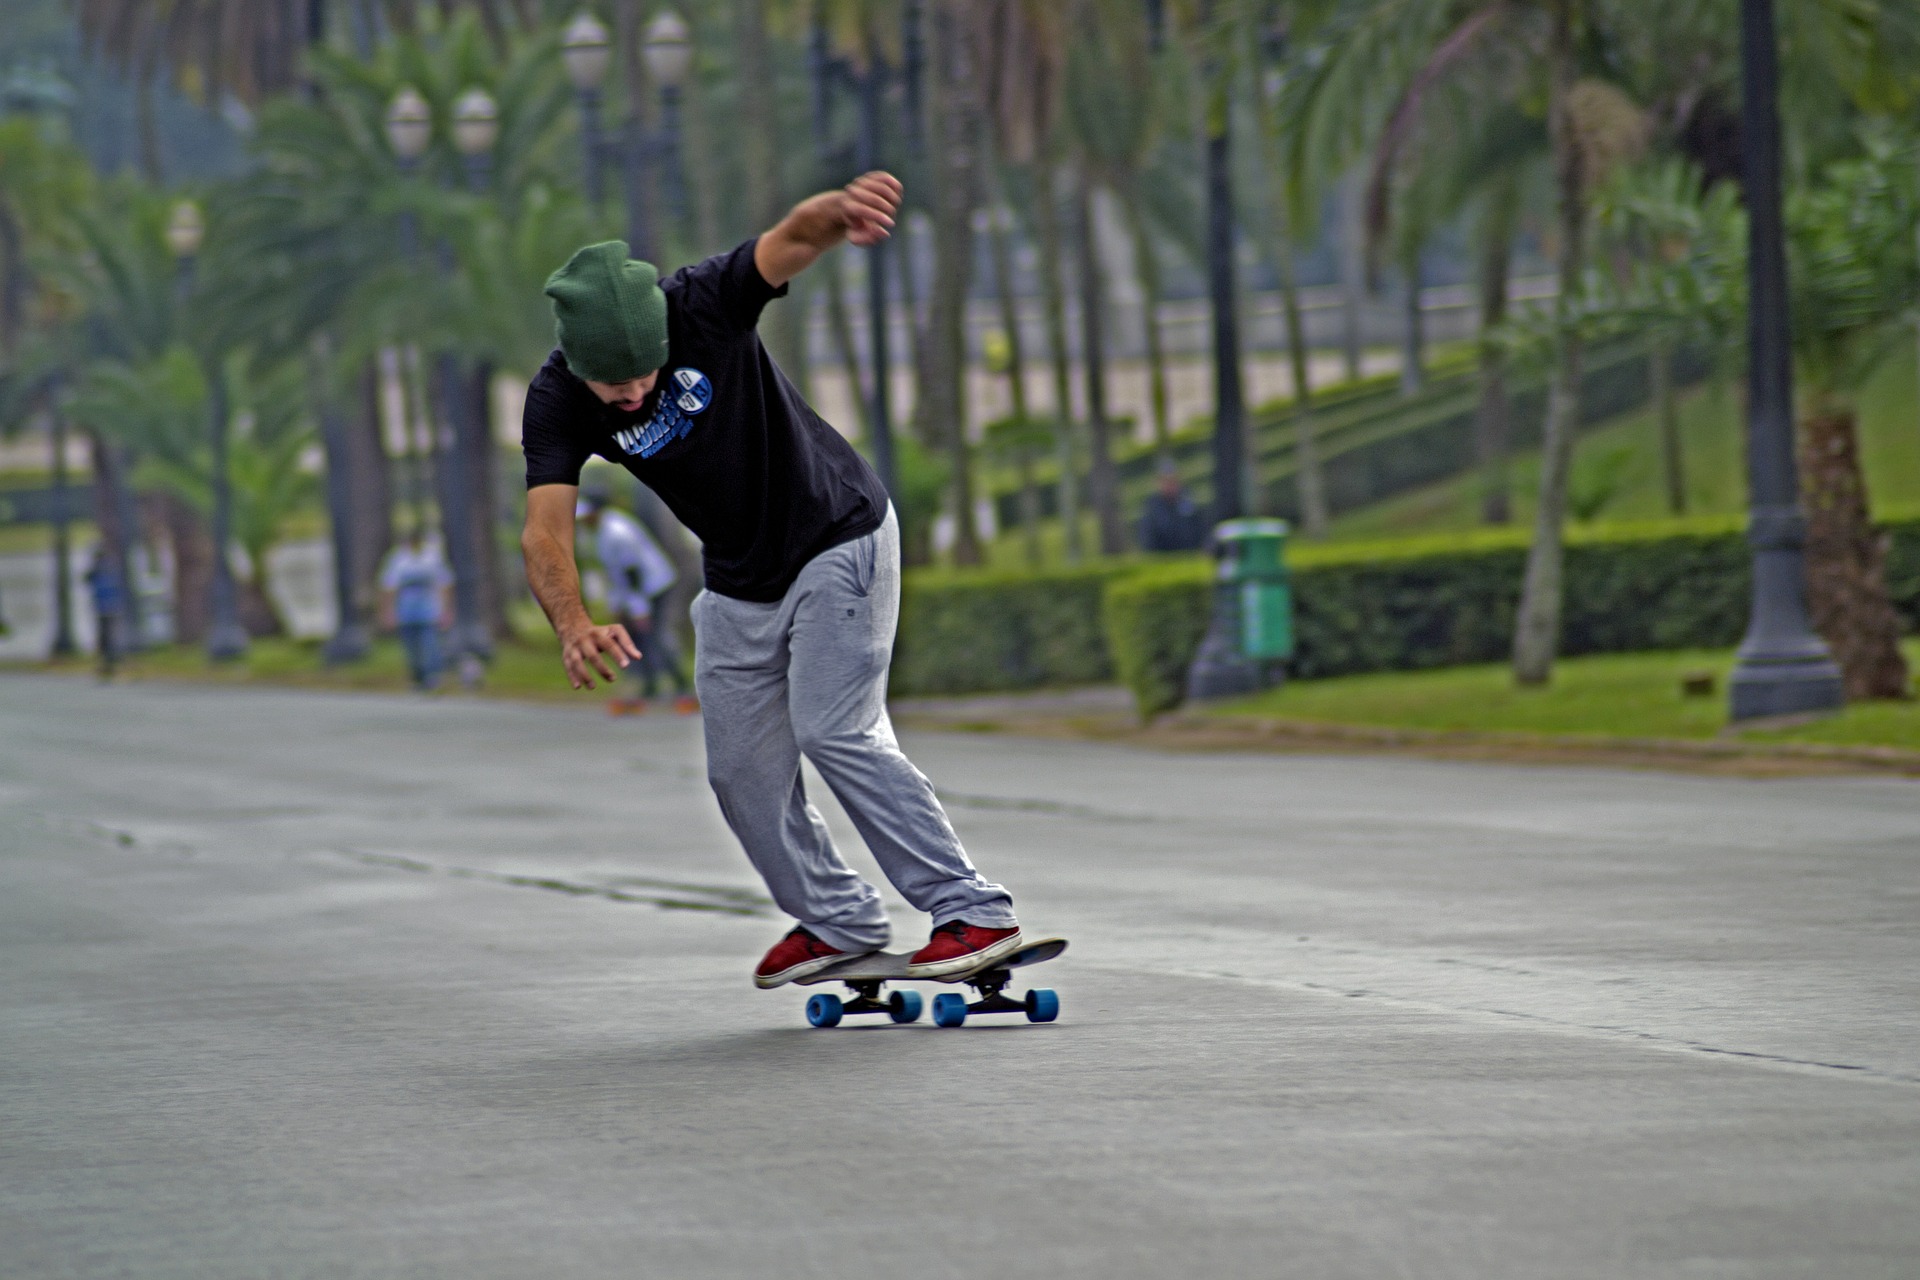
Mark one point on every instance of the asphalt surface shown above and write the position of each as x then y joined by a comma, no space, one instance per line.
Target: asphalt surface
315,985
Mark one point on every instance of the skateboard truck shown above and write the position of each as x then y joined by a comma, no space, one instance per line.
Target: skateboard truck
825,1010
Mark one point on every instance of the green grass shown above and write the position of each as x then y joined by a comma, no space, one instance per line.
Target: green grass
525,668
1615,695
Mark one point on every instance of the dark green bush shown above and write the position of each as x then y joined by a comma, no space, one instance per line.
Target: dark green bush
981,632
1155,619
1442,602
1391,606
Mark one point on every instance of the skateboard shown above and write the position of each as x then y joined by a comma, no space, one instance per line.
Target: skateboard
866,975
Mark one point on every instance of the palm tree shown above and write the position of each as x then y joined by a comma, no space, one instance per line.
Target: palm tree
1375,70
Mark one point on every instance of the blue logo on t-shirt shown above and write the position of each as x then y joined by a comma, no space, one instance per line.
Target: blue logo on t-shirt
688,391
691,390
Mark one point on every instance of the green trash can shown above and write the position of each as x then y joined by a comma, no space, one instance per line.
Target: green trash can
1253,562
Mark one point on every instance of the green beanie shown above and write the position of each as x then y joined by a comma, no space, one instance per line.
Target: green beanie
609,315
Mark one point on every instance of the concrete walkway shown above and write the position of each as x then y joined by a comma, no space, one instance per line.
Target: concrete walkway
321,985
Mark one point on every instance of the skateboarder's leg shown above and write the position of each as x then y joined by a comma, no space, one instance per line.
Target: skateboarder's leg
847,603
753,763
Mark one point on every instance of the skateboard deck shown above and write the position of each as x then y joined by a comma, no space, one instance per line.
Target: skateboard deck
867,974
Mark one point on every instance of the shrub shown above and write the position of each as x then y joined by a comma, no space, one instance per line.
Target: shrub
1445,601
1155,619
981,632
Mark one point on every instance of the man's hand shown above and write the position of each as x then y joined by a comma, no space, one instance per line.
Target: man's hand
867,205
860,212
581,647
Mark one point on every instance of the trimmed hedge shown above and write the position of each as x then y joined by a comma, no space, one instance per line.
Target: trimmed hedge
986,632
1446,602
1388,606
1155,620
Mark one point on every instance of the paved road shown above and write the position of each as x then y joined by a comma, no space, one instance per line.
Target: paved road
312,985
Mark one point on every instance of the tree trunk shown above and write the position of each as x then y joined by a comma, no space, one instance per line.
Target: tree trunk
1413,335
1103,489
840,325
13,280
482,468
1536,637
63,638
258,613
695,158
1016,367
783,328
371,490
1146,268
1052,263
1353,272
1309,481
943,396
1491,425
1667,407
1846,559
192,545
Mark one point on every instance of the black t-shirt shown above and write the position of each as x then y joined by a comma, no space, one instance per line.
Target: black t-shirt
725,440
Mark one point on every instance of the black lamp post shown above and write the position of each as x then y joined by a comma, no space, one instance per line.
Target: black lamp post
1229,405
1220,668
464,520
585,52
409,129
1783,667
668,51
226,638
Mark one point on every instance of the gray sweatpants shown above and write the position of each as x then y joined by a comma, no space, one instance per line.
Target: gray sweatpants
808,675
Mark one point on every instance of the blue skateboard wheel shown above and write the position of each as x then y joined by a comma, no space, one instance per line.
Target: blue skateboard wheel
904,1006
824,1010
1042,1005
949,1009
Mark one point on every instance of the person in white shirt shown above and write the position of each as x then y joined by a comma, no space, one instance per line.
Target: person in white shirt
416,591
639,576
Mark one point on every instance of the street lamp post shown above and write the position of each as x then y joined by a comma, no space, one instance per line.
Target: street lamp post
585,52
667,50
409,129
476,127
1221,668
1783,667
465,519
226,638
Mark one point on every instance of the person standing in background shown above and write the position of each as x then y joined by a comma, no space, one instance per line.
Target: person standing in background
639,576
1172,520
104,585
416,590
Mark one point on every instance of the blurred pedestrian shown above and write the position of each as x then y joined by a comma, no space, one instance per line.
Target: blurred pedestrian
103,583
639,576
1172,520
416,591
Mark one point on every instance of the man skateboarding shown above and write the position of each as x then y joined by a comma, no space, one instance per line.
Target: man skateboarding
794,632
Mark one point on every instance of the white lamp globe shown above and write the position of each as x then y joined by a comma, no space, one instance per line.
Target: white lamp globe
409,124
584,49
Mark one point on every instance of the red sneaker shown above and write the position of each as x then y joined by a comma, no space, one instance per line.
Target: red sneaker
795,956
958,948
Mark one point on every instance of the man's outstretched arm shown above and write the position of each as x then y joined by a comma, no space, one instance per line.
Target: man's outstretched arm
547,541
860,213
